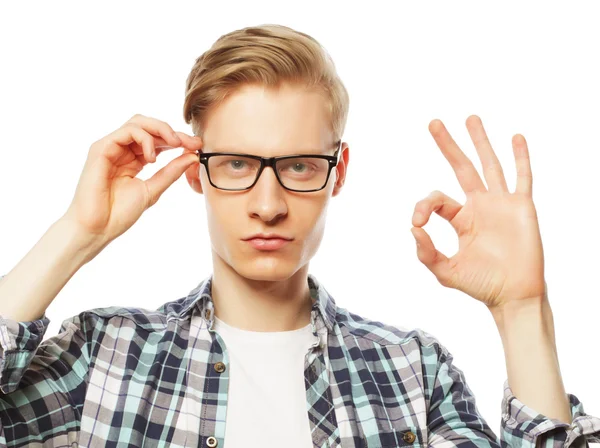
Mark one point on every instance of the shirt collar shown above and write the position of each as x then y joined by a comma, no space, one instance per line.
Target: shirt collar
200,298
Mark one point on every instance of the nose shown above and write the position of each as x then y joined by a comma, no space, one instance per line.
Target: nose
267,199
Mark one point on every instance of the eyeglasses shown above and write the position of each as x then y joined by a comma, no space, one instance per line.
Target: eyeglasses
298,172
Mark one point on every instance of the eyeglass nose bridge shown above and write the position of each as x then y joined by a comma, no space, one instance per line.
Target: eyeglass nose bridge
265,162
268,161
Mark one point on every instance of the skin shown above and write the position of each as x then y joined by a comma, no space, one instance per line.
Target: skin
266,291
500,262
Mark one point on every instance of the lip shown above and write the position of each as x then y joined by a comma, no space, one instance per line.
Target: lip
267,241
268,236
267,244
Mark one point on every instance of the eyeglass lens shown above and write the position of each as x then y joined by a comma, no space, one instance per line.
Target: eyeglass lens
238,172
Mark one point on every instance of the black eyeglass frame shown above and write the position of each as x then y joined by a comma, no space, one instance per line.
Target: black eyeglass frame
271,161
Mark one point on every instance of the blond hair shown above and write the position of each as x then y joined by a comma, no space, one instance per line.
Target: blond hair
268,55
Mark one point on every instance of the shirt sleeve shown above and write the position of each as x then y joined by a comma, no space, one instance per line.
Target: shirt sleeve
42,383
453,417
455,420
523,426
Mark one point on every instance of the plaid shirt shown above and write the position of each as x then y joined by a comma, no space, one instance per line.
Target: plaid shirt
128,377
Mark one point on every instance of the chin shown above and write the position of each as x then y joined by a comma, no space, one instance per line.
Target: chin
266,268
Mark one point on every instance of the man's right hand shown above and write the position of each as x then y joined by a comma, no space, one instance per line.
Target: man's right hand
109,197
108,200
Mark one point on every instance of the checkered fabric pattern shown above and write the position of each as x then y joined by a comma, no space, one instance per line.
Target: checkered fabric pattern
129,377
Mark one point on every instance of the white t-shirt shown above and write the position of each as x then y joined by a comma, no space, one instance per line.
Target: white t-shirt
266,404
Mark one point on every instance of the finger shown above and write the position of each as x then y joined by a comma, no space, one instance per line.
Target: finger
159,149
159,146
157,128
432,258
463,167
131,133
492,169
167,175
523,163
437,202
191,143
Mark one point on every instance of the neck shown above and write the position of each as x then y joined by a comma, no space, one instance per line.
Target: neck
260,305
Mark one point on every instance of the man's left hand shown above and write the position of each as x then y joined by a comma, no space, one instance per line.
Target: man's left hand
500,257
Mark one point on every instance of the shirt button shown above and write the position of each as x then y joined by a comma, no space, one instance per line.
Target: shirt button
220,367
211,442
409,437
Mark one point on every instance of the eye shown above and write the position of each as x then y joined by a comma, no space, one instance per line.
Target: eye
237,163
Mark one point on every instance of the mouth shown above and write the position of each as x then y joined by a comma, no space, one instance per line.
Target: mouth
270,243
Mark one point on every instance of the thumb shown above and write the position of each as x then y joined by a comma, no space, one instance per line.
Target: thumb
432,258
167,175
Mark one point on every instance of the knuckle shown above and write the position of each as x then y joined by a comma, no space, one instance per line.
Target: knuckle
495,166
161,123
423,205
99,145
130,126
98,142
96,147
444,280
166,128
135,117
149,199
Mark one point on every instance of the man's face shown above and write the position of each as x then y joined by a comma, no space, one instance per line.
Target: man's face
267,122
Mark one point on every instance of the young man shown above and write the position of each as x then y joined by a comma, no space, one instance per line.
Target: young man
259,354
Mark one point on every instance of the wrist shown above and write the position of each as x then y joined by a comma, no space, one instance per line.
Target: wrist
77,241
526,319
516,309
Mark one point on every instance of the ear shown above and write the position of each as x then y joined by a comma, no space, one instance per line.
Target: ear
341,169
192,176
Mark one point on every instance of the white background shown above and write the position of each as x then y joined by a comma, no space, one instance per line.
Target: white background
72,72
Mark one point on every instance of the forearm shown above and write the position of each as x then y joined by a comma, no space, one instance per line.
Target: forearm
527,333
30,287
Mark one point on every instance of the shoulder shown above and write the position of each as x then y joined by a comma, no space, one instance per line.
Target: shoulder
382,334
383,347
129,316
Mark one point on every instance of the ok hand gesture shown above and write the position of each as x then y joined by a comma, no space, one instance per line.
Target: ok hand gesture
500,257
